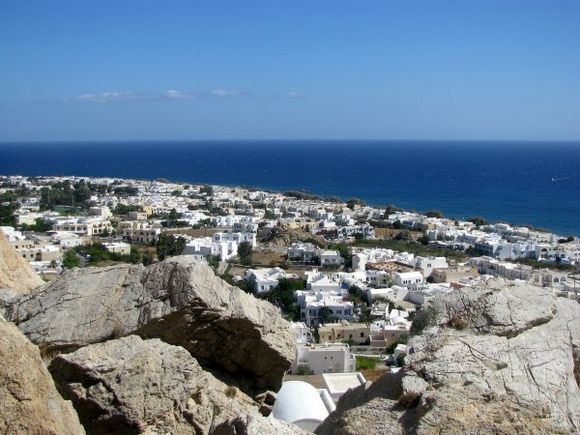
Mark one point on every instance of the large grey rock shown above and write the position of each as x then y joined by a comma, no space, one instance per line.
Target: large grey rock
29,401
257,425
243,340
131,385
498,358
15,272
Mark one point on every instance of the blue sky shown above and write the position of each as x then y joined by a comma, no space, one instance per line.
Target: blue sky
244,69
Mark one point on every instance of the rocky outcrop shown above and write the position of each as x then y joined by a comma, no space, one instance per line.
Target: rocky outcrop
15,272
257,425
131,385
241,339
29,401
498,358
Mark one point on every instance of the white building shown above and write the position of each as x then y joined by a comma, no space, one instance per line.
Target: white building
325,358
302,252
67,240
319,281
339,383
411,280
319,307
301,332
330,258
491,266
206,246
118,248
301,404
143,235
264,280
237,237
83,226
427,264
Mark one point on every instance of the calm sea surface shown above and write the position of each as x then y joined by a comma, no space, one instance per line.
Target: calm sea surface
519,182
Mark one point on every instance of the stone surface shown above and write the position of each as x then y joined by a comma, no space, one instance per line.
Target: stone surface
15,272
241,339
257,425
29,401
131,385
498,358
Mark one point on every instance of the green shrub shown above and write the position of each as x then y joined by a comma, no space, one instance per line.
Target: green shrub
423,319
365,362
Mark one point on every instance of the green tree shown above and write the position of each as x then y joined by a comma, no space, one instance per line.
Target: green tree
434,213
134,256
70,259
245,253
146,259
351,203
403,235
424,240
397,225
213,261
206,189
122,209
478,220
284,296
168,245
390,209
39,226
356,293
325,314
424,318
344,252
8,206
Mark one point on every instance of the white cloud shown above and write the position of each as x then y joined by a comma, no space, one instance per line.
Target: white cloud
106,97
224,93
172,94
177,95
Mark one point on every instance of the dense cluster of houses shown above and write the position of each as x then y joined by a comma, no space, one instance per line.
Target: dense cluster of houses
367,305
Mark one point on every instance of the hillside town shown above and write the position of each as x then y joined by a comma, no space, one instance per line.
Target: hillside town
349,276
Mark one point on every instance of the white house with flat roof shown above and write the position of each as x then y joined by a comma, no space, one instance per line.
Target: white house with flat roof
303,252
427,264
206,246
339,383
329,258
264,280
319,307
118,248
237,237
325,358
411,280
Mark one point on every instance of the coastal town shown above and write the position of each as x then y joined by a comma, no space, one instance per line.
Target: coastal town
351,278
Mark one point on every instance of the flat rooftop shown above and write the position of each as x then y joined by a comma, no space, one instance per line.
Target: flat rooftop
341,382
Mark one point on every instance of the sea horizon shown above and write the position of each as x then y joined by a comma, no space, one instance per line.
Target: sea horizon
526,183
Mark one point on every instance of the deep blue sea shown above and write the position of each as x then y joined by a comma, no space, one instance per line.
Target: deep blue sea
519,182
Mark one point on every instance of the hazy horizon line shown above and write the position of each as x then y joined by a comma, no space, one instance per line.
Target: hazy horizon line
92,141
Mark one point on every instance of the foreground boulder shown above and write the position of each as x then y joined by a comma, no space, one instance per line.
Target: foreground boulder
241,339
29,401
498,358
131,385
15,272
